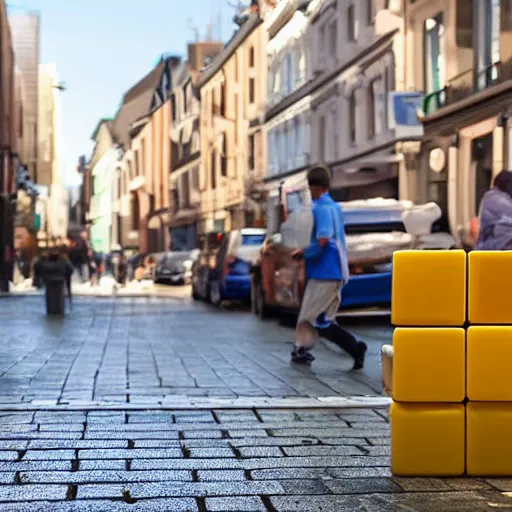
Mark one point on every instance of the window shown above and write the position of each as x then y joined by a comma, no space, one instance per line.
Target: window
321,35
224,156
334,136
251,57
433,55
143,154
489,41
185,99
213,103
185,189
333,39
251,161
129,169
370,105
288,73
370,13
251,91
299,66
173,107
195,178
351,23
298,140
213,169
322,139
223,100
235,102
352,118
137,163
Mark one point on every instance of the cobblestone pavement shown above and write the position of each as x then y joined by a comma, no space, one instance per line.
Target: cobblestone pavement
71,438
147,350
238,460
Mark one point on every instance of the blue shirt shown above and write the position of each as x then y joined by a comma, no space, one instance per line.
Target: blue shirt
330,261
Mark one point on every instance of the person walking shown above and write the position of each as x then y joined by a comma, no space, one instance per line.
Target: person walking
326,274
495,216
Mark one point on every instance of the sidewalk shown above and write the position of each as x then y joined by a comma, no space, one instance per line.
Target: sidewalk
244,460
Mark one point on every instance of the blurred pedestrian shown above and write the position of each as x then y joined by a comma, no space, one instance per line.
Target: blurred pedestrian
38,269
326,273
122,269
495,216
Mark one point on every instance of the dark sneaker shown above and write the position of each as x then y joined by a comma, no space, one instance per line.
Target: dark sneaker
359,359
302,356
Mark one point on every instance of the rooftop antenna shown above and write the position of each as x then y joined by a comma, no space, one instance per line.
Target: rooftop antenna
193,27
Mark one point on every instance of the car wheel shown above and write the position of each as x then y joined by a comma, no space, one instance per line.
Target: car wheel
215,295
258,304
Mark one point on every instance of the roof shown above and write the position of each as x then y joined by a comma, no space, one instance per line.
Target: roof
136,103
253,21
104,120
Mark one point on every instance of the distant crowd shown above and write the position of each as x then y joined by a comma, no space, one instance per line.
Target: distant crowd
89,265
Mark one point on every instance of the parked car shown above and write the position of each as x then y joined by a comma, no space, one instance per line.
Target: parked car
222,270
176,267
374,231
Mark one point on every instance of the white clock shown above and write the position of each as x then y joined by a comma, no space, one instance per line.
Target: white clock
437,160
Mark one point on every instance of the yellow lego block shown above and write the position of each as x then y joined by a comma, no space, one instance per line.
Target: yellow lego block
429,288
489,352
429,364
489,443
427,439
490,279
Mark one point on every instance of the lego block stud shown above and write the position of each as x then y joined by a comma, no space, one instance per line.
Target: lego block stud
490,281
489,443
489,352
429,288
429,364
427,439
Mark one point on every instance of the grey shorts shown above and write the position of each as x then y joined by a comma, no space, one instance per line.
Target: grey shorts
321,298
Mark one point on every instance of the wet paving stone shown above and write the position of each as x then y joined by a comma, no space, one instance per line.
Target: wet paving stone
102,476
235,504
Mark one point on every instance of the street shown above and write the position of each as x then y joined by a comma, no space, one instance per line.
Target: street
149,350
160,403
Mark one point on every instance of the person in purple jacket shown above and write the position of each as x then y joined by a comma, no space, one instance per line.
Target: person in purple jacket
326,274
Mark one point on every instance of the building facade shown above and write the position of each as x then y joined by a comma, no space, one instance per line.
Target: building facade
48,155
333,67
233,90
460,54
185,197
288,115
25,40
103,164
8,149
143,127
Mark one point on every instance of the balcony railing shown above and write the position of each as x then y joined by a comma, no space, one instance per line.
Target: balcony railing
463,86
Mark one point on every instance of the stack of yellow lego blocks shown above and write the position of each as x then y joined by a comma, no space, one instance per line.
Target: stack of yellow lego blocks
452,369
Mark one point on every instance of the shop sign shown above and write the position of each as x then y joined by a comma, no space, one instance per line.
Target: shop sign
403,114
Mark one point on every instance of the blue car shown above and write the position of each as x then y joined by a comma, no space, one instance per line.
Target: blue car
222,272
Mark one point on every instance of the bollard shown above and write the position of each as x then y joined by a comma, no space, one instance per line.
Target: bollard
55,299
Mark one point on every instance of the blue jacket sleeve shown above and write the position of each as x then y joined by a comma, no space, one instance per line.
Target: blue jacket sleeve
323,228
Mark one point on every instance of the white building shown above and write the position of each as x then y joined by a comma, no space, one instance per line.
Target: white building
49,151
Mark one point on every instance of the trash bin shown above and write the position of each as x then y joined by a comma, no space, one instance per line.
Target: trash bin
55,298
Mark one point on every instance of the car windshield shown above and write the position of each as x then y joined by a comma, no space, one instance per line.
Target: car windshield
253,239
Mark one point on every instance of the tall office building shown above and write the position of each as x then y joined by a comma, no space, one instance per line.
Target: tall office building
25,42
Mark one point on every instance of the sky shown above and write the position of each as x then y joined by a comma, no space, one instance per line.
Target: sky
103,47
